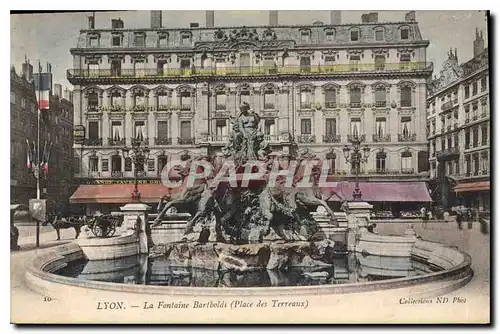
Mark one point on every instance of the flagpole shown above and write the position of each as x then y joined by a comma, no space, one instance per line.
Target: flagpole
38,152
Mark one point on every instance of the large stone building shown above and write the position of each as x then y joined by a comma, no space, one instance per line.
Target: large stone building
314,86
56,129
458,120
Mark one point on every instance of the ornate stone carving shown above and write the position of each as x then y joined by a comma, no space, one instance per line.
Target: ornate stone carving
354,52
244,34
269,34
163,115
139,89
380,51
269,86
162,56
243,87
115,56
139,57
162,90
92,58
185,88
269,113
116,90
116,115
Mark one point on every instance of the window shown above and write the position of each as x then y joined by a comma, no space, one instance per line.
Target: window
245,97
220,101
23,102
380,125
305,64
405,160
162,129
380,161
329,36
305,37
185,63
116,130
474,88
93,130
484,135
221,128
406,126
269,99
220,65
93,41
139,67
405,96
354,35
474,110
404,62
467,138
466,92
92,101
186,129
116,68
162,162
76,165
162,41
329,63
105,165
443,144
128,164
140,40
245,60
162,67
404,33
151,165
380,97
355,126
379,63
355,97
330,127
483,84
379,34
305,126
269,127
139,99
185,39
450,144
93,164
12,97
305,99
163,101
330,98
116,163
186,101
116,40
354,61
455,139
140,130
475,136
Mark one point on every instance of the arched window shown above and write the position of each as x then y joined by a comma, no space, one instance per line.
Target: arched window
128,164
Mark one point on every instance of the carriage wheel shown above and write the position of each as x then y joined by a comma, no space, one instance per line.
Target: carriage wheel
111,230
97,230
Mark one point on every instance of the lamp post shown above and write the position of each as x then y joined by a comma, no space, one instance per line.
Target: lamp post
356,157
139,156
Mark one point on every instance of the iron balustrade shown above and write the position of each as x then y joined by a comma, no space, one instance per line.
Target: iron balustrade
185,141
116,142
143,142
306,138
330,105
93,142
403,138
407,170
163,141
331,138
116,173
382,138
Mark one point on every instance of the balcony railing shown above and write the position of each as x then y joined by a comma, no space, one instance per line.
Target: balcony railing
185,141
484,114
92,108
331,138
380,104
164,107
116,173
272,138
94,174
330,105
142,142
446,106
140,108
305,105
185,107
140,173
306,139
467,120
220,106
382,138
455,126
383,171
269,106
243,71
403,138
93,142
450,151
485,172
163,141
355,104
117,142
407,170
360,138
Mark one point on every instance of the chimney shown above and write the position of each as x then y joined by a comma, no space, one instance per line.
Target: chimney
155,19
58,90
335,17
410,16
91,22
478,43
209,18
273,17
27,69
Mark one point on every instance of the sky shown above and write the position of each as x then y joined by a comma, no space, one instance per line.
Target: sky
48,37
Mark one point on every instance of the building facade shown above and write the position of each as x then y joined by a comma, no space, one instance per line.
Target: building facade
55,129
315,86
458,116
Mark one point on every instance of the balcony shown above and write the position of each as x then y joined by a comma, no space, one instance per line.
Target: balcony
185,141
306,139
219,107
408,138
467,120
94,174
93,142
484,172
330,105
164,107
117,142
74,75
442,129
141,142
455,126
355,105
140,173
351,138
407,170
272,138
382,138
447,106
185,107
139,108
475,144
269,106
163,141
93,108
116,107
116,173
449,152
305,105
484,115
380,104
383,171
331,138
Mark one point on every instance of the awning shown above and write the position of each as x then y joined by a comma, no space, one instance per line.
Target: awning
472,186
385,191
117,193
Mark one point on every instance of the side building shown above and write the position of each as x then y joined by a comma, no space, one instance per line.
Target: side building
55,131
458,116
314,86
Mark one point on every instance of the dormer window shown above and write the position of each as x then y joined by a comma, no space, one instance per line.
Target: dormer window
140,40
162,41
185,39
379,34
116,40
329,36
305,36
405,33
354,35
94,41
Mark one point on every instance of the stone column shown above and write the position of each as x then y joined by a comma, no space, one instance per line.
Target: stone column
358,217
135,218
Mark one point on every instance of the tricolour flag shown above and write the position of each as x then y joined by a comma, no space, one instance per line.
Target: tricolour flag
43,85
29,164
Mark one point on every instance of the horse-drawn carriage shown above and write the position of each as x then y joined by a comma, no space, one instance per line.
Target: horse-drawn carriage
105,225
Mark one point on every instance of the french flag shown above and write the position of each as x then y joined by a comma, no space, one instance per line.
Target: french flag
43,85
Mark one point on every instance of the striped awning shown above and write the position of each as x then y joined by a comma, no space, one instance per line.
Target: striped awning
472,186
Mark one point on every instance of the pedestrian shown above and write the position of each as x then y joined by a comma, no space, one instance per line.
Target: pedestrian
459,219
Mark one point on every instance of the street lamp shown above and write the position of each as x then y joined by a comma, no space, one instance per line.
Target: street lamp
139,156
358,156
